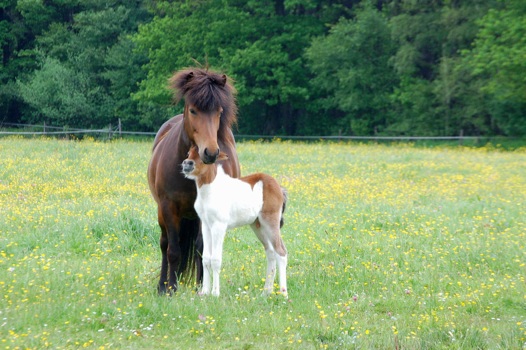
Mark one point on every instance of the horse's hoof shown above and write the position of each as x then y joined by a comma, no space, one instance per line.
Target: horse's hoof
164,290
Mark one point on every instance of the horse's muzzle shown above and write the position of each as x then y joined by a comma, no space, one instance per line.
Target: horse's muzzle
209,158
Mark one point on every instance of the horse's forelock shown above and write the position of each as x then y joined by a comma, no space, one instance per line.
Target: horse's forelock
208,91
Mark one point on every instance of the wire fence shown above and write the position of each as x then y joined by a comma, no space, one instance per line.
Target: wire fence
117,132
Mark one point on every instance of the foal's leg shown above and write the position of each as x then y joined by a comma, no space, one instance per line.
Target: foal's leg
268,232
207,258
271,271
198,256
281,257
262,233
218,237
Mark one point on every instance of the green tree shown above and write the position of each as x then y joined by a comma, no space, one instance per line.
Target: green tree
498,61
271,68
435,94
499,51
90,59
259,44
351,65
14,37
62,96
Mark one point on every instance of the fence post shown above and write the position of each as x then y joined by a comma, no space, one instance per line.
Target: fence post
120,128
461,137
109,131
44,127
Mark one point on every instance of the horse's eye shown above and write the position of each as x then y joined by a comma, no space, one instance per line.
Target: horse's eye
193,111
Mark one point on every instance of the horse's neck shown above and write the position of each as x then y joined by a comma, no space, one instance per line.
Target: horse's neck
184,138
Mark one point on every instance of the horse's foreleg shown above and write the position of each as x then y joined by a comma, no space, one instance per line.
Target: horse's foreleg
163,280
170,248
162,288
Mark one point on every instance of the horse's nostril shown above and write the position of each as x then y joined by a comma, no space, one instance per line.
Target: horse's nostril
211,155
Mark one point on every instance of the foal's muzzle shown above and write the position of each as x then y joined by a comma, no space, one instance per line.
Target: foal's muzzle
188,166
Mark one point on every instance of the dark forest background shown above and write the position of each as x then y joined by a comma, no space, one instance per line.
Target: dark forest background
301,67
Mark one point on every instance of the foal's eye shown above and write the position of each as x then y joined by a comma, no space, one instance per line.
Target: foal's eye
192,111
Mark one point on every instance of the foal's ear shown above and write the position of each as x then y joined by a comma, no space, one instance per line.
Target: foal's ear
222,156
193,152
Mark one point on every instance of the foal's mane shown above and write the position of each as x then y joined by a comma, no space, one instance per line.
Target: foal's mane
208,91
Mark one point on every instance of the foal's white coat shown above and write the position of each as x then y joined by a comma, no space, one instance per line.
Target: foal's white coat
224,203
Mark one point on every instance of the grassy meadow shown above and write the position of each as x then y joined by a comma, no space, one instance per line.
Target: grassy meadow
390,247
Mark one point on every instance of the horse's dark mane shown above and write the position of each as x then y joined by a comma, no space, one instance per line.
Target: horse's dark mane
208,91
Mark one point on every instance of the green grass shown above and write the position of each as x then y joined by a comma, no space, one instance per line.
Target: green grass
390,246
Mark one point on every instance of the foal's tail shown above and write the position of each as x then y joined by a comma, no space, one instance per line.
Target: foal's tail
285,197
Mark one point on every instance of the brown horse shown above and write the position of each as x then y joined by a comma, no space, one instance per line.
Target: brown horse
209,112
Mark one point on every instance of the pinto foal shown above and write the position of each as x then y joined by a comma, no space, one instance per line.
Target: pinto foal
224,203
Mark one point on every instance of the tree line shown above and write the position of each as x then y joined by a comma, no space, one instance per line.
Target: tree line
301,67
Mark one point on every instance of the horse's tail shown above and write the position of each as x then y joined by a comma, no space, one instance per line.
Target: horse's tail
285,197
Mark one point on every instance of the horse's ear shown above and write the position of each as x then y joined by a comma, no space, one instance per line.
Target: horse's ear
222,82
218,80
222,156
179,81
189,76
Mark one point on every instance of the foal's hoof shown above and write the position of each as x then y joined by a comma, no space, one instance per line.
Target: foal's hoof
266,293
